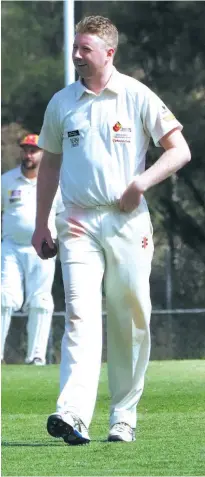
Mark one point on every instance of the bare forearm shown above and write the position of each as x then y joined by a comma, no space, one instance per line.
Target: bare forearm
168,163
47,184
176,155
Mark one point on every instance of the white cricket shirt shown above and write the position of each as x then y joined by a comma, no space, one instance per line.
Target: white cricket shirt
104,138
18,195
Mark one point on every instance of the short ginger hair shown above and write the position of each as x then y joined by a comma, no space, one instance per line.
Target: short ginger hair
100,26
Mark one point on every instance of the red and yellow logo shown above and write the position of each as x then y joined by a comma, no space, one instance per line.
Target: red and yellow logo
117,126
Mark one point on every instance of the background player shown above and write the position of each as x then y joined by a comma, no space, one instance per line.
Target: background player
25,278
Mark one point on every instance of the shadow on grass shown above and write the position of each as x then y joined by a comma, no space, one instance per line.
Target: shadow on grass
31,444
46,444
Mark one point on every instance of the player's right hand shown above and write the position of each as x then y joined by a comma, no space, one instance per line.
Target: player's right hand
41,234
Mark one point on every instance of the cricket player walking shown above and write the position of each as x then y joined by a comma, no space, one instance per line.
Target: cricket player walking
95,134
25,278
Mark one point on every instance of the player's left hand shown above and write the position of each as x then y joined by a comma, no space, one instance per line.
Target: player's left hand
131,197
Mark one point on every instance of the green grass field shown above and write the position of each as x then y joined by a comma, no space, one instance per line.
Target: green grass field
170,433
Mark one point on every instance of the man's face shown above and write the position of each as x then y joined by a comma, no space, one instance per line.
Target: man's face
90,55
30,157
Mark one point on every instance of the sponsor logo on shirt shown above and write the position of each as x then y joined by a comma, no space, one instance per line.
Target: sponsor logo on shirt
74,137
14,195
167,114
169,117
117,126
121,134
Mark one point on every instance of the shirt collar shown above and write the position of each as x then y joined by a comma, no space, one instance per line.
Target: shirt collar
112,85
80,89
20,175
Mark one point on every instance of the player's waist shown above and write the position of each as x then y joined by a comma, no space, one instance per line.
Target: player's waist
103,206
113,205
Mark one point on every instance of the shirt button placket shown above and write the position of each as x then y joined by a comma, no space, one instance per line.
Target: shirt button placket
95,113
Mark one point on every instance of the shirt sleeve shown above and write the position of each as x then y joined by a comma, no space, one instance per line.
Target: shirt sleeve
157,118
50,137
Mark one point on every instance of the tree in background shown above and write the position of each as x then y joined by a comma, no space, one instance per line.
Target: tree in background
162,45
32,59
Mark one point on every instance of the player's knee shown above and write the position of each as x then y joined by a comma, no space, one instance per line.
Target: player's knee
43,301
10,301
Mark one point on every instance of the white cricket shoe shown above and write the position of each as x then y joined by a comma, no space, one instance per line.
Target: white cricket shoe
121,432
69,427
36,362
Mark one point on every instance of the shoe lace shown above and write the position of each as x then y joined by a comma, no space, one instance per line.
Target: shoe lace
78,424
122,426
83,426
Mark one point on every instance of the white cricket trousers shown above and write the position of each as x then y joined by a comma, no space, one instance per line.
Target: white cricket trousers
27,280
95,243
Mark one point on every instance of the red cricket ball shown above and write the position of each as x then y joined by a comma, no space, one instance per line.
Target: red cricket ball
48,252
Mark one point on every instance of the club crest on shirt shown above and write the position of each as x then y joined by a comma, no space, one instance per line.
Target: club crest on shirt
121,134
14,195
74,137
